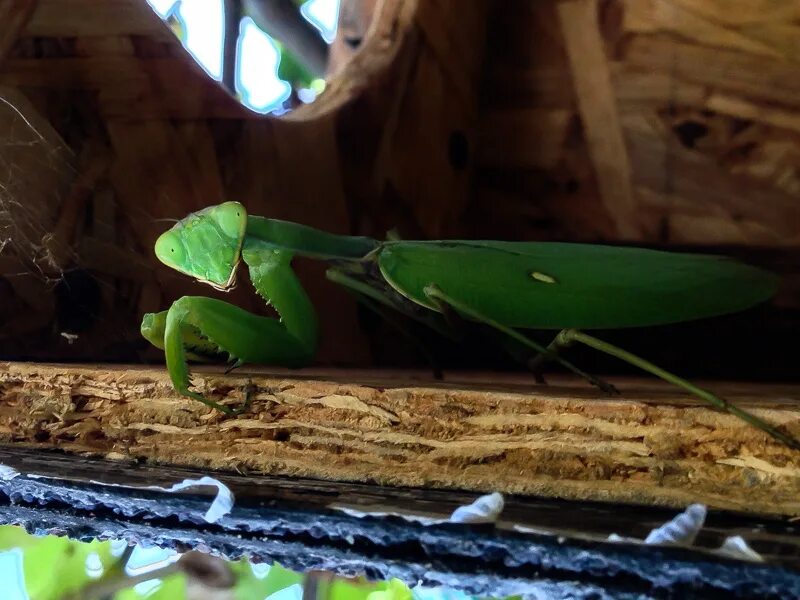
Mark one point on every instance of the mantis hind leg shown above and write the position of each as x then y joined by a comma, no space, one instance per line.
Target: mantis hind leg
537,363
436,295
569,336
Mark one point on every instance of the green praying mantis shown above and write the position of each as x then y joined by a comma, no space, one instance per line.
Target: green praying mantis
505,286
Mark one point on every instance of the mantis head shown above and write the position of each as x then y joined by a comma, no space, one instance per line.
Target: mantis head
207,244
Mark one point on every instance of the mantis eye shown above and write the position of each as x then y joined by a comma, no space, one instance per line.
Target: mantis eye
231,218
169,250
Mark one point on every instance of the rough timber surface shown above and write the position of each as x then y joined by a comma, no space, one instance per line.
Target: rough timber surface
650,446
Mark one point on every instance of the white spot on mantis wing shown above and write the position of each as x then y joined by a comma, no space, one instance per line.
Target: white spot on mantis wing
543,277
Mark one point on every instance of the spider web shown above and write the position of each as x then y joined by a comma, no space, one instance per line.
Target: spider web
36,171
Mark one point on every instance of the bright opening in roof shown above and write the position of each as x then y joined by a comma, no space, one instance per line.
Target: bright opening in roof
200,26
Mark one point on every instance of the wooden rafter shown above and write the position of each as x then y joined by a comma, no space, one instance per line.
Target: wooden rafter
652,445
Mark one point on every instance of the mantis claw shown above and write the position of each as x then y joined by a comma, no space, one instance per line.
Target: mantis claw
249,390
210,403
234,365
606,387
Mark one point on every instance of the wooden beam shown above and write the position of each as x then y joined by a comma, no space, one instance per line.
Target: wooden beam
14,16
653,445
84,18
591,76
150,89
656,16
504,137
723,70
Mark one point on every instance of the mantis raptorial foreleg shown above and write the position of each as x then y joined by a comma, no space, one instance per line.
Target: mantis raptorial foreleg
288,341
198,348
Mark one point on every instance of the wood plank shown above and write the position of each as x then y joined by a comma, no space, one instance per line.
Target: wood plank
77,73
743,12
523,138
665,16
83,18
14,17
651,446
638,90
591,77
771,31
717,68
701,179
692,222
527,86
152,88
458,50
770,115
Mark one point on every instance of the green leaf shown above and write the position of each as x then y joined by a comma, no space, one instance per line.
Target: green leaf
394,589
249,586
172,587
12,536
54,565
291,70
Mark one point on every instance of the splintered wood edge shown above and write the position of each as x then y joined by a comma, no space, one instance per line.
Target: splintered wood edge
652,445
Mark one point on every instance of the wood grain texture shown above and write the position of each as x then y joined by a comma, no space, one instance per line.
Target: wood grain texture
77,18
112,75
14,15
716,83
483,433
598,109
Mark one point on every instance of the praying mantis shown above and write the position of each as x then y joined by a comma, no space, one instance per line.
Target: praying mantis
504,286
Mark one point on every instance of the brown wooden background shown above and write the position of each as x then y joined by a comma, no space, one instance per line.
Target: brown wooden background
660,122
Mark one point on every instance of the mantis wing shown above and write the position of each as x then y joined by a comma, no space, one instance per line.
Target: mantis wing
557,285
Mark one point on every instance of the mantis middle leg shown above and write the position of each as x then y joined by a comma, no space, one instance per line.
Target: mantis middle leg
437,296
569,336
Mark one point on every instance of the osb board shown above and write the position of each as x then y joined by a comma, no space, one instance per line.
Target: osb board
156,138
650,446
657,121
